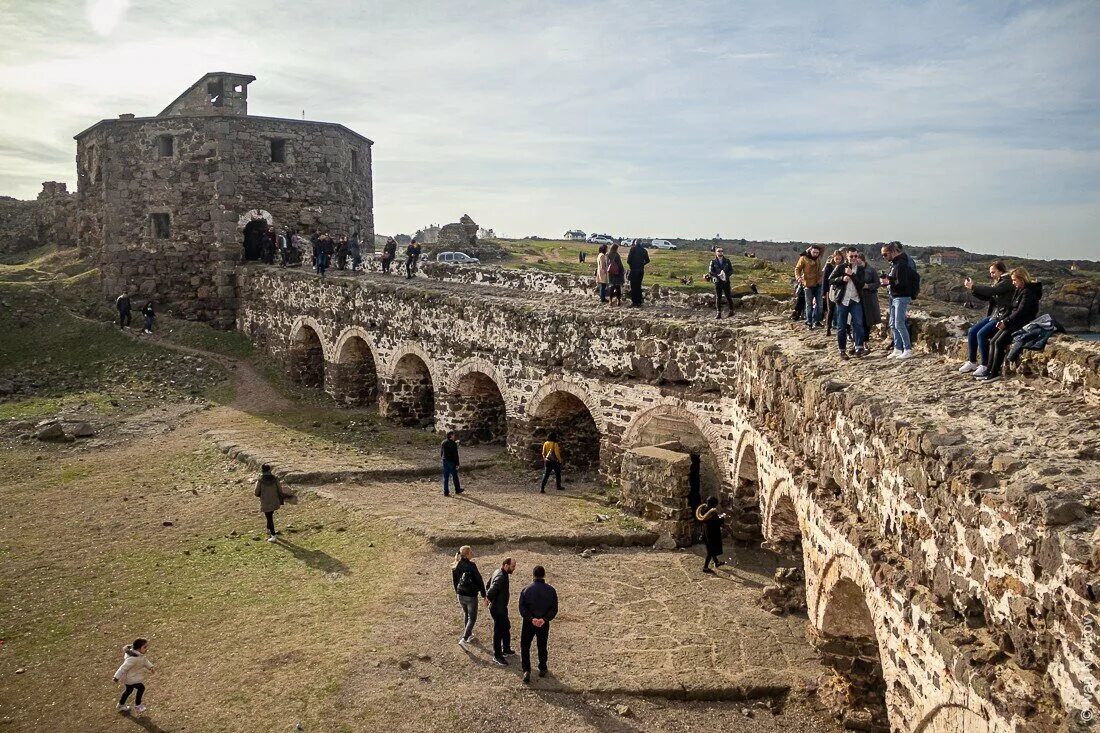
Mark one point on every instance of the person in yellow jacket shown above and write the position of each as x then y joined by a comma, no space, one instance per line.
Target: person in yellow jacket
551,457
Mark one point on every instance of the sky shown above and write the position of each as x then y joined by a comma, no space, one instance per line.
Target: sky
971,124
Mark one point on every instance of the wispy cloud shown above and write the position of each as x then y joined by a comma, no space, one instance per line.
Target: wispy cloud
934,122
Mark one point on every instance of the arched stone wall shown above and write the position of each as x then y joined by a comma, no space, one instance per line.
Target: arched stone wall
565,408
306,353
781,522
476,406
745,502
409,395
352,376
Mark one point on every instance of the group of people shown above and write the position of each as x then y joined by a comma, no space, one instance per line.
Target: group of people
340,250
1013,302
125,310
551,459
538,605
612,273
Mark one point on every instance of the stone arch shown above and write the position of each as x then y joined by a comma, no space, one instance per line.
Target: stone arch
353,374
578,390
409,394
251,226
782,524
306,354
846,635
674,423
416,349
564,408
953,718
477,409
745,502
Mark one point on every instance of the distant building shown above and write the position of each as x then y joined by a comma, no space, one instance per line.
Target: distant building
576,235
946,258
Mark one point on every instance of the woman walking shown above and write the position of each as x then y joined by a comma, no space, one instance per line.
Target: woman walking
712,521
468,585
551,456
616,276
135,665
271,495
836,259
601,272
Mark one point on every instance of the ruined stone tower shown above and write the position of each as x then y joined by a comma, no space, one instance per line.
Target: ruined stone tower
164,200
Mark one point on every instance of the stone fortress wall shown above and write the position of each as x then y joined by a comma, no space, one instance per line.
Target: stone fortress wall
950,586
163,201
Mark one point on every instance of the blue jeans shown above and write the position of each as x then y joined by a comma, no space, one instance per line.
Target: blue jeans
899,306
450,469
811,295
978,339
603,292
855,310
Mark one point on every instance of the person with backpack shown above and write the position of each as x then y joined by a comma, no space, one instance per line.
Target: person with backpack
720,273
122,303
468,585
904,282
271,495
637,258
497,593
616,276
135,667
1000,296
551,457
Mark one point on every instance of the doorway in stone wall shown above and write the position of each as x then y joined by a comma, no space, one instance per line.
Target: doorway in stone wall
252,225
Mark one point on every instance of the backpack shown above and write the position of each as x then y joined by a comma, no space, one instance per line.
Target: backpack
467,582
916,283
613,267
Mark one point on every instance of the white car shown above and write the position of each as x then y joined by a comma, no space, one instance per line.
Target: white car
601,239
457,258
662,244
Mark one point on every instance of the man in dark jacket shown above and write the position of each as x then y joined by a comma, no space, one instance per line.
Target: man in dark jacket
721,272
497,593
904,284
636,259
123,305
999,295
846,292
389,254
448,451
538,605
412,256
1025,306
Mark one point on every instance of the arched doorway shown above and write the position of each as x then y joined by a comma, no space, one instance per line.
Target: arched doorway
477,409
675,429
565,415
784,534
252,225
744,506
307,358
410,399
354,374
855,689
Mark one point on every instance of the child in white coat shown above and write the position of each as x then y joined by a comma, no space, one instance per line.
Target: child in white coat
135,665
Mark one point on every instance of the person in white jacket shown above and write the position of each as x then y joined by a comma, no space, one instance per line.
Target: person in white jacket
135,665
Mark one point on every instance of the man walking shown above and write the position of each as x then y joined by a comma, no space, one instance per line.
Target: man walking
637,259
721,272
904,282
123,305
497,594
538,605
448,451
808,274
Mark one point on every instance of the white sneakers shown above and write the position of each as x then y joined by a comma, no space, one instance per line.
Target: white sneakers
981,371
122,708
907,354
139,709
894,354
968,366
272,538
464,644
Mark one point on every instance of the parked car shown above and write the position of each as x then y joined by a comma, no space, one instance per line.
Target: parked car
662,244
627,242
601,239
457,258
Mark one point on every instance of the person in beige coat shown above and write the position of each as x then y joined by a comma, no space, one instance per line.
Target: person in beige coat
601,272
272,496
135,666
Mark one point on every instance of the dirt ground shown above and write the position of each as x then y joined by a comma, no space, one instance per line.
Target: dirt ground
348,623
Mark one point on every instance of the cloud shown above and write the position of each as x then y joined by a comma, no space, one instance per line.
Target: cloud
105,15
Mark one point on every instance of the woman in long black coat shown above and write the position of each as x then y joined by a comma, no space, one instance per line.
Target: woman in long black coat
712,521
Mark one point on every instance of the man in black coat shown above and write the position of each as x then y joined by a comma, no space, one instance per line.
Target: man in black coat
721,272
636,259
538,605
497,593
123,305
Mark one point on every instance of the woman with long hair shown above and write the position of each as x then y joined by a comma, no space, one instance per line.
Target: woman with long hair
468,585
616,276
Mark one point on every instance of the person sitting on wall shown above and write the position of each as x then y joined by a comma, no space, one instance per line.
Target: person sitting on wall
999,295
412,256
1025,306
389,254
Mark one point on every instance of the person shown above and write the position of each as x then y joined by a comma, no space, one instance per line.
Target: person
601,272
389,254
872,309
808,273
712,520
123,305
637,258
1000,296
267,246
342,249
551,456
448,451
721,272
497,593
846,291
904,282
836,259
412,255
132,672
271,495
538,605
149,315
798,310
1025,306
321,254
282,242
315,251
354,252
616,275
468,586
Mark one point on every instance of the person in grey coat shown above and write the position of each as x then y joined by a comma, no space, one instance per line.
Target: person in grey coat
271,495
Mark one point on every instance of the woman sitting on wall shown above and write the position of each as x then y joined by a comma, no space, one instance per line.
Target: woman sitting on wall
1025,306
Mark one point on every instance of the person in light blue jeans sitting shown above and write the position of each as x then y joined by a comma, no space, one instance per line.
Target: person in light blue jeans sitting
999,295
